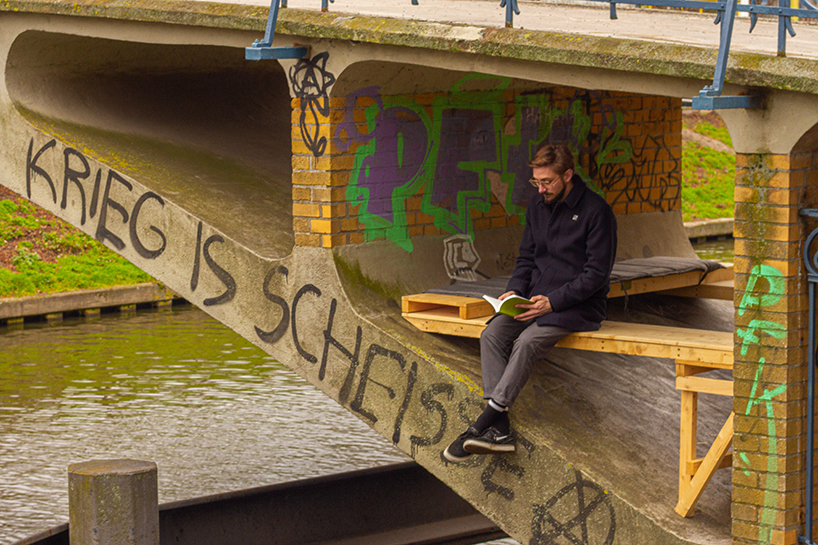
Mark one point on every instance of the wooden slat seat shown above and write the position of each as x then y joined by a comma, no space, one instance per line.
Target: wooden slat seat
694,352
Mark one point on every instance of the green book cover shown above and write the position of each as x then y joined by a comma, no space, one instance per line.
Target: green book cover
507,306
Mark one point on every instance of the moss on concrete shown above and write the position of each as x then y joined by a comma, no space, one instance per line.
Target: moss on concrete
352,276
748,69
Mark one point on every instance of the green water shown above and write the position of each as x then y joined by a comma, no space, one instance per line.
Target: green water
717,250
175,387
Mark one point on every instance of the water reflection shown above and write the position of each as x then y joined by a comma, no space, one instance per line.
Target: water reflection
717,250
175,387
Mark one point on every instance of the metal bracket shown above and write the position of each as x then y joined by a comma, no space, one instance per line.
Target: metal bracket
710,97
264,49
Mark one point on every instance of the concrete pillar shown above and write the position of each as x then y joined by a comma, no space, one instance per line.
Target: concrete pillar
113,502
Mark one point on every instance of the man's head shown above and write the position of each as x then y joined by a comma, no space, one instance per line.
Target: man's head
552,168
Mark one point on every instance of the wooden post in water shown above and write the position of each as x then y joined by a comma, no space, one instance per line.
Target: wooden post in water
115,502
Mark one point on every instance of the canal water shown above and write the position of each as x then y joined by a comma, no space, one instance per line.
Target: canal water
175,387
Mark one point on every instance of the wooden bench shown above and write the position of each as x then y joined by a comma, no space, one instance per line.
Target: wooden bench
694,352
717,284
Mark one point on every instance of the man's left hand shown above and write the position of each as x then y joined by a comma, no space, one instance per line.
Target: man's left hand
541,307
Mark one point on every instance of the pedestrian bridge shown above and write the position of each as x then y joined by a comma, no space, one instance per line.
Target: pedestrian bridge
297,201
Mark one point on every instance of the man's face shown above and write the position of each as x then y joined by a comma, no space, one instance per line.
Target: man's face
551,186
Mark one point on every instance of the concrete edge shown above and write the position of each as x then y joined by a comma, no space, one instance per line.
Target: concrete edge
709,228
53,303
678,60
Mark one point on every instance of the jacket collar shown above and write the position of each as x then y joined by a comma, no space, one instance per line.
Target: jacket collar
573,198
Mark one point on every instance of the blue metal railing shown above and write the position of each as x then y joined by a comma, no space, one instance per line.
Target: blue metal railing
811,263
710,97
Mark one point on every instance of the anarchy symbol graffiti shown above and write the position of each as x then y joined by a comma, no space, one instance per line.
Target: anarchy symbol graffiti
579,514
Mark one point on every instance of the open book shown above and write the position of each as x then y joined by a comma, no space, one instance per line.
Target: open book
507,306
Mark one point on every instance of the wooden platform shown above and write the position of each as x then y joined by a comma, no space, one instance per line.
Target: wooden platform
694,351
716,284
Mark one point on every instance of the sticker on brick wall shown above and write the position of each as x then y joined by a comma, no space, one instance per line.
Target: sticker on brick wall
460,258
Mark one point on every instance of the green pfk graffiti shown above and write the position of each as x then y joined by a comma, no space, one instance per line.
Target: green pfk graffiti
408,150
754,301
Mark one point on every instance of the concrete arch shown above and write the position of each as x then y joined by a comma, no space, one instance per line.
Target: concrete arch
190,116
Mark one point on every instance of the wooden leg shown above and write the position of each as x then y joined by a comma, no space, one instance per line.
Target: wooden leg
687,439
710,463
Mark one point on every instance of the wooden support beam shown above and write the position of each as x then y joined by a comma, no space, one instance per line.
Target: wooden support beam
693,465
718,450
687,439
705,385
688,370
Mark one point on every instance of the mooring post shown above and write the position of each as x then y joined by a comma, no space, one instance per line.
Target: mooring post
113,502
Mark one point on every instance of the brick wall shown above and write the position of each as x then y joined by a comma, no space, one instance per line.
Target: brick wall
371,167
770,355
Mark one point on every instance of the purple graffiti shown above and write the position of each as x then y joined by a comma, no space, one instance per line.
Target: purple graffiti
401,141
465,136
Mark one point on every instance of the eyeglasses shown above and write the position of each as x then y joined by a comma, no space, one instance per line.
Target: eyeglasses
543,183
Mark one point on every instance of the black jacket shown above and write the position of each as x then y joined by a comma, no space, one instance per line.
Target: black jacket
566,254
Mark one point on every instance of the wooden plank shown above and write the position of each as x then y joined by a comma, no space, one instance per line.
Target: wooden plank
693,465
447,321
705,385
469,307
416,306
654,283
476,309
723,291
687,439
705,348
718,450
720,275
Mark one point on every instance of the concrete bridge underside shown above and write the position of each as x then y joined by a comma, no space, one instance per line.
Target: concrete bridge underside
157,138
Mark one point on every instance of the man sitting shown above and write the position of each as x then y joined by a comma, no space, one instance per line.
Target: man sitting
564,267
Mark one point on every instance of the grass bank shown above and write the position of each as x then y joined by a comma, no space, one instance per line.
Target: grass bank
707,173
39,253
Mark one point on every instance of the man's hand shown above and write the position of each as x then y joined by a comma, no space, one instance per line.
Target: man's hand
541,307
506,295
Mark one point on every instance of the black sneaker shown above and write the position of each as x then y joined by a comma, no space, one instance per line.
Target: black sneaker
455,452
490,441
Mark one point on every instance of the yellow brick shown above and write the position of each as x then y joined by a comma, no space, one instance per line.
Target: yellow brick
356,238
307,210
302,194
304,239
778,162
338,102
349,224
333,210
784,179
339,178
335,162
800,160
325,226
415,230
331,241
782,537
301,224
430,230
771,214
311,178
301,162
